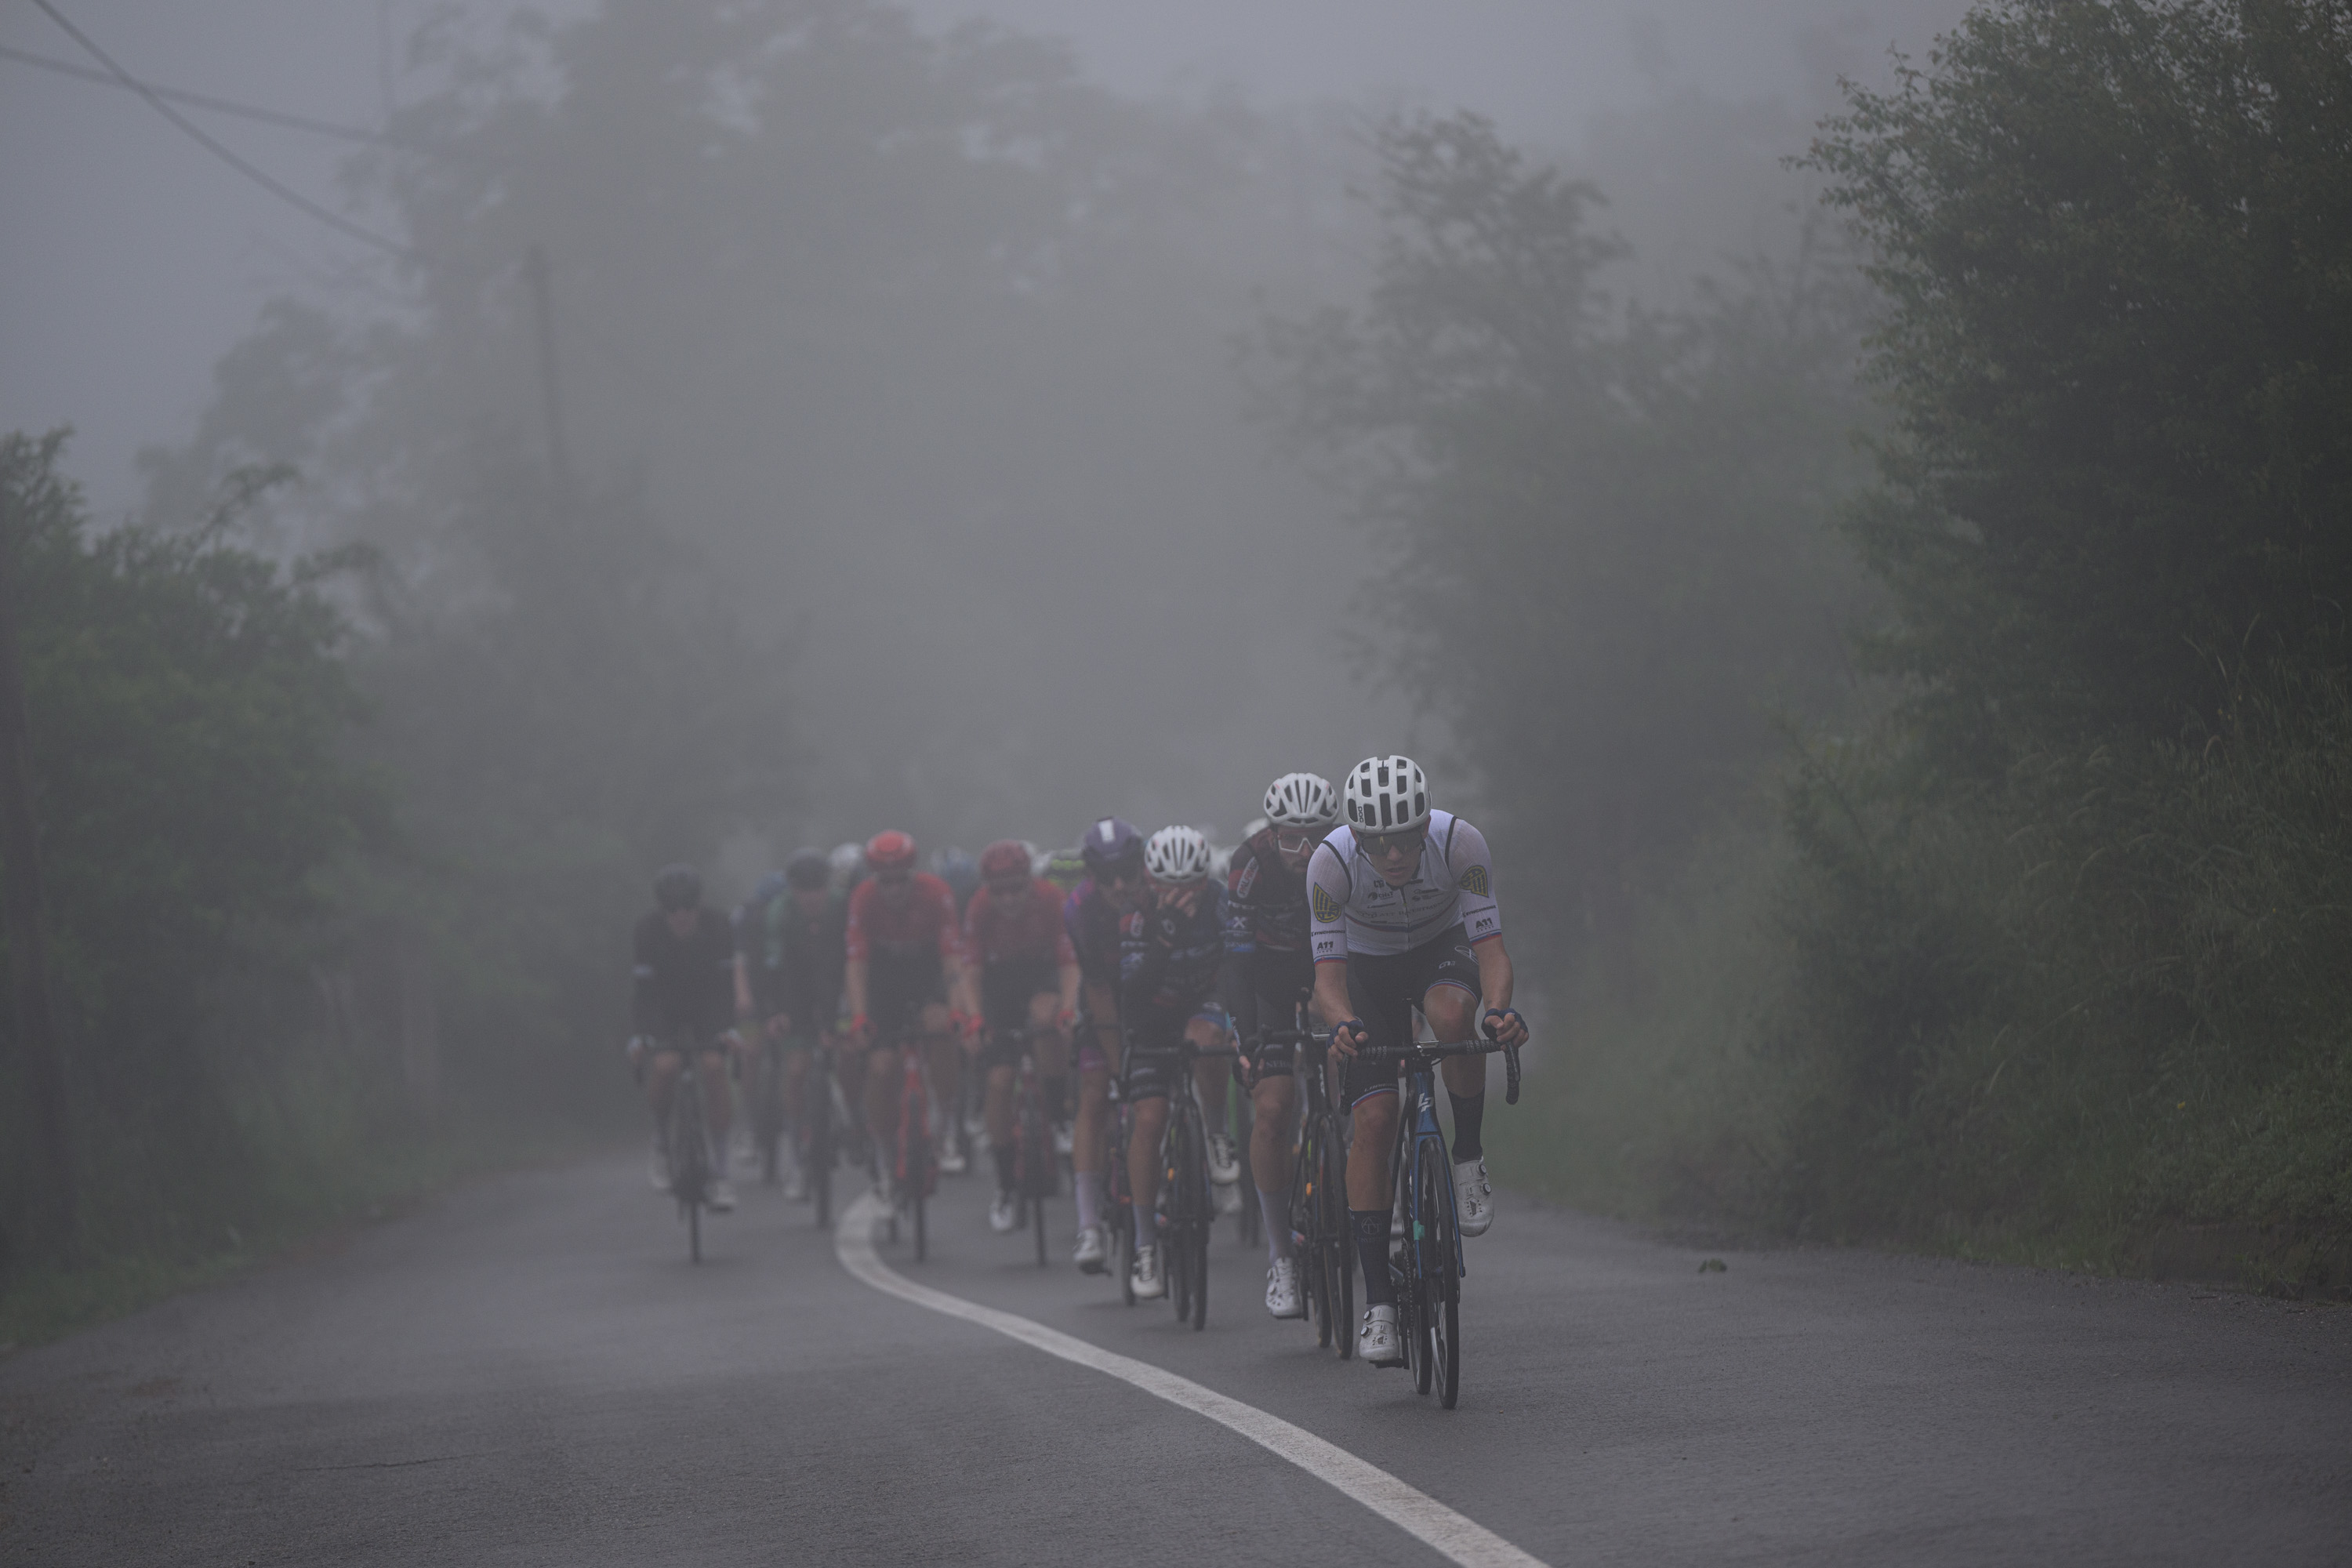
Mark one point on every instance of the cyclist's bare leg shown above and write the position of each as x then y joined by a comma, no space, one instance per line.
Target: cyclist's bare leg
1000,1106
718,1103
661,1078
1090,1140
1143,1156
882,1102
1210,1074
943,1053
1276,1101
797,1072
1368,1156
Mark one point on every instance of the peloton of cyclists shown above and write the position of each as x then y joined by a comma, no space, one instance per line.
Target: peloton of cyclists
682,999
1363,903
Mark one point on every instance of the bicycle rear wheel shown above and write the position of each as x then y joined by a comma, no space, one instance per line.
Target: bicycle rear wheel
689,1159
1189,1213
1431,1251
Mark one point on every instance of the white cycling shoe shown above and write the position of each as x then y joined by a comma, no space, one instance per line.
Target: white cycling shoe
720,1196
1378,1341
1227,1200
1149,1284
1003,1214
952,1161
1474,1197
1065,1139
1282,1297
1224,1160
795,1181
657,1169
1093,1253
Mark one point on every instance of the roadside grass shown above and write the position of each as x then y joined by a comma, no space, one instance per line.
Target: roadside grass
307,1197
2097,1017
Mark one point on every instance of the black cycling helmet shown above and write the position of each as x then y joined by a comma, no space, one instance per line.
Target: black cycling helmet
808,869
677,886
1112,841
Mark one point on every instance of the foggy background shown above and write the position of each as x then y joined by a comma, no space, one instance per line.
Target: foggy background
1030,558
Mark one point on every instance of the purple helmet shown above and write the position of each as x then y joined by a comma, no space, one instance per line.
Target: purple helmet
1110,842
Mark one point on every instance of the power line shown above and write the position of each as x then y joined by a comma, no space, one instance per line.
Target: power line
206,100
276,187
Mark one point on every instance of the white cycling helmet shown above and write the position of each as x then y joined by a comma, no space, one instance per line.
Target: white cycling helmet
1302,800
1387,795
1176,854
848,863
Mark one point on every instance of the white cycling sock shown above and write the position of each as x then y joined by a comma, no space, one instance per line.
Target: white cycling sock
1090,1199
1277,1212
1147,1227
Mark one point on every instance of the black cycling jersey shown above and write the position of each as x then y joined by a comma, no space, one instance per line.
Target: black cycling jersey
798,959
684,986
1267,931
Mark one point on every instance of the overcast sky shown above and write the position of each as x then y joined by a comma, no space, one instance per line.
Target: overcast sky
131,257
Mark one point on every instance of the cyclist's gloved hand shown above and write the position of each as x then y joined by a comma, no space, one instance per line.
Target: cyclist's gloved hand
861,1028
1504,1026
1067,1019
1348,1036
965,1024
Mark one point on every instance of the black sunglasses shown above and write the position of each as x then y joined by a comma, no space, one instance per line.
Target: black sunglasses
1382,842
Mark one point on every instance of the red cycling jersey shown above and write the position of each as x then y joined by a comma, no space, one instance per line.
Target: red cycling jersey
1028,927
922,914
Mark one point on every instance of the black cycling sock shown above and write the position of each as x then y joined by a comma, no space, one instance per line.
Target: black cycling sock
1469,1115
1003,1168
1372,1250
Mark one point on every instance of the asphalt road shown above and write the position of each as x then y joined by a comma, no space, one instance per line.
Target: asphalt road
529,1372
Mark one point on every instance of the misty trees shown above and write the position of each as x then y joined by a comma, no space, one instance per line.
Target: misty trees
1607,560
2118,347
2070,929
189,716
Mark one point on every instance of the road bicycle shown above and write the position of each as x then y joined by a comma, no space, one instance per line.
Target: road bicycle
764,1105
1320,1234
823,1114
1427,1267
1187,1207
913,1155
1036,1169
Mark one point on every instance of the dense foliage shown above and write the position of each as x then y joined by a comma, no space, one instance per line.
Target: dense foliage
189,713
1608,568
2049,959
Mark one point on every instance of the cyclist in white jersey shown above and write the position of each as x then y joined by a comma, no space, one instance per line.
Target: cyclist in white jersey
1403,911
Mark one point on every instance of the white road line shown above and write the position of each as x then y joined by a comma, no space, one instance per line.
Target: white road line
1414,1512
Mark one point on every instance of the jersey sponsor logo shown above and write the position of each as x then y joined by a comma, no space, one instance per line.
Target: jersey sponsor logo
1473,882
1483,924
1327,908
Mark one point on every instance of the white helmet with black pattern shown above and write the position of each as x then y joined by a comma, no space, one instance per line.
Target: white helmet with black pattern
1387,795
1302,800
1176,854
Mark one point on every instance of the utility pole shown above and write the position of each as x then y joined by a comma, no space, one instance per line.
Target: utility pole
22,924
559,460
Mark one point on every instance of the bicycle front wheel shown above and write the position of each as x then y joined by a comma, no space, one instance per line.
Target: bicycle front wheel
1335,1250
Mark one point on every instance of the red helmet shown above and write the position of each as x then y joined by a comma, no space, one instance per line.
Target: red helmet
890,850
1003,857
